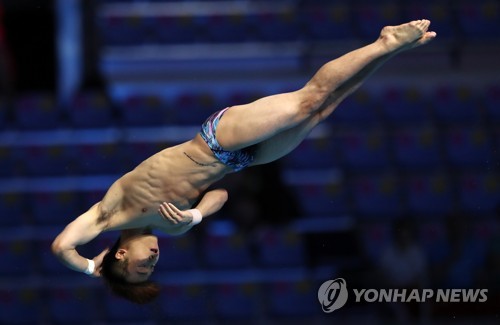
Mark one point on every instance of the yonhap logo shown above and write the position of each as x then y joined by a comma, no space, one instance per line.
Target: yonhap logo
332,295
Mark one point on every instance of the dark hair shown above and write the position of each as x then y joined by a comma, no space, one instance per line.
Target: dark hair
139,293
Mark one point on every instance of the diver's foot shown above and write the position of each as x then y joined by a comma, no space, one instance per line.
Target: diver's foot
406,36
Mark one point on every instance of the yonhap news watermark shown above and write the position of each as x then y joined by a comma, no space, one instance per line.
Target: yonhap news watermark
333,294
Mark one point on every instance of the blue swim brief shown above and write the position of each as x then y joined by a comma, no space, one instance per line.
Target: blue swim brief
237,159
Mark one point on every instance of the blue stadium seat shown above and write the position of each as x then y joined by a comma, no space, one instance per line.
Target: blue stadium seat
36,111
90,197
48,160
191,108
176,30
485,231
278,27
330,22
225,248
90,110
417,148
402,106
456,104
377,195
323,199
479,19
492,103
374,238
187,302
243,96
122,30
13,208
237,301
496,143
144,110
479,192
136,152
20,306
292,298
429,194
432,236
225,28
73,304
280,247
468,147
314,153
102,158
438,12
3,114
17,256
360,109
54,207
365,149
178,252
371,17
11,164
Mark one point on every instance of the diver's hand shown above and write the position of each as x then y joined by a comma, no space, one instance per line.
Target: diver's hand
174,216
98,263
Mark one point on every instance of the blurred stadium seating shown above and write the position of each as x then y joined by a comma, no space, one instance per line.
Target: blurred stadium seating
294,299
456,104
377,195
417,148
185,302
469,147
225,247
479,19
321,193
21,305
19,257
91,110
479,192
429,194
238,301
178,253
365,149
37,111
375,236
75,304
280,248
416,110
13,209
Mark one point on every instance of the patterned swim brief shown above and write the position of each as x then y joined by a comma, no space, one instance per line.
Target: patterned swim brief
237,159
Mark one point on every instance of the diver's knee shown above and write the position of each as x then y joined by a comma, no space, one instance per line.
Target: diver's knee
310,100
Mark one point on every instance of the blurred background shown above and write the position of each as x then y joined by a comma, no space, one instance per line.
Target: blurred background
400,188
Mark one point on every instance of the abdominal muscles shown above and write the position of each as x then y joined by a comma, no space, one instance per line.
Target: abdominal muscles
165,179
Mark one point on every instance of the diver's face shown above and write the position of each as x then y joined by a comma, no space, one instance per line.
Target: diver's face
141,253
